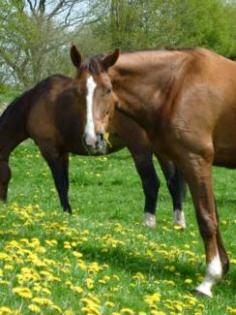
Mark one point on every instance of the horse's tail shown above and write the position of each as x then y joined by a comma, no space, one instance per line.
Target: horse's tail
13,118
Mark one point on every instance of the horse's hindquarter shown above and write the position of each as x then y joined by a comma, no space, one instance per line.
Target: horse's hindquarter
224,134
204,118
222,103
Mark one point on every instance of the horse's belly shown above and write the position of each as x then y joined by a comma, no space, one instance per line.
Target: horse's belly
225,156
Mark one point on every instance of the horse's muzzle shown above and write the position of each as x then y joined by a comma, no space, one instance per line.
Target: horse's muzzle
95,146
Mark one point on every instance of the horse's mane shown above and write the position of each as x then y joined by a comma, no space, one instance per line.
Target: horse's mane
161,49
93,63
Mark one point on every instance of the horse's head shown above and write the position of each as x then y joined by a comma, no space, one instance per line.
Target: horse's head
96,86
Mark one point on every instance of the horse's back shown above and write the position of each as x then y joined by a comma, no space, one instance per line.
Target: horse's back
41,123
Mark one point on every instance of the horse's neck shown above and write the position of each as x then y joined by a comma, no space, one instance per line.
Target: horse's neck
140,83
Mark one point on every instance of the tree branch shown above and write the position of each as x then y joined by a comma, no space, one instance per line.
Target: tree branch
31,6
56,9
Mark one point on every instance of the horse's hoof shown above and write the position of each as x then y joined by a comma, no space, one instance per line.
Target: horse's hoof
203,291
69,211
179,219
149,220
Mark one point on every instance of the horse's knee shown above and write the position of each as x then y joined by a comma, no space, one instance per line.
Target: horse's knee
207,225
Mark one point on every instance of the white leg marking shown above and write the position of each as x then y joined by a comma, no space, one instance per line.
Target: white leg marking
149,220
214,273
90,136
179,218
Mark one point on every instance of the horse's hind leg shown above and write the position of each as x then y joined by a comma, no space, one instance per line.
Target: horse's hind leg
176,187
58,163
5,176
5,171
197,171
150,183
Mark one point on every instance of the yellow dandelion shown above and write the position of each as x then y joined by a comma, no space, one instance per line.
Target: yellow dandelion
179,307
231,310
77,289
82,265
127,311
51,243
69,312
94,267
93,298
67,245
188,281
5,310
152,299
34,308
22,292
89,283
109,304
139,276
57,308
8,267
155,312
42,301
77,254
4,256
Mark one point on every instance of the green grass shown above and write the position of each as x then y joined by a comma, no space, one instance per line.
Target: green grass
7,96
101,260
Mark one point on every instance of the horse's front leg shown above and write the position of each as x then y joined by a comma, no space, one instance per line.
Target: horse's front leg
197,171
176,186
58,163
150,183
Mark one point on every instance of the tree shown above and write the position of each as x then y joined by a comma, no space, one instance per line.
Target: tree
34,32
138,24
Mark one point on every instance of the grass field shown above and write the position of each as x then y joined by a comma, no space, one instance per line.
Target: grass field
101,260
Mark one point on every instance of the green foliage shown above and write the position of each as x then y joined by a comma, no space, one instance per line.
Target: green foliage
35,43
7,94
141,24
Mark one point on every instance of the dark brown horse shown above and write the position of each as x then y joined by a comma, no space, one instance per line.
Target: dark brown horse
53,115
186,102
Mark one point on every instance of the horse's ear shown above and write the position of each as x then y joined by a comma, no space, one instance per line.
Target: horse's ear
75,56
111,59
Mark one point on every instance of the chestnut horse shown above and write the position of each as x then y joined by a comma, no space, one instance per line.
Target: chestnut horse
52,114
186,102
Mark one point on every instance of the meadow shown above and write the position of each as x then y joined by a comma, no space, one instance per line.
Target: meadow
102,260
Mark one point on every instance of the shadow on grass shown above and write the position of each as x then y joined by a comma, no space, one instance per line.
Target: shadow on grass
121,259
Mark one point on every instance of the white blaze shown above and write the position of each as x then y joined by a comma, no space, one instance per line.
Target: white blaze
90,136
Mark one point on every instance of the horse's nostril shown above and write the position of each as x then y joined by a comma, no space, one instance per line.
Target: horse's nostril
84,139
100,137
